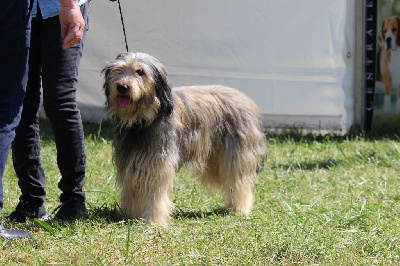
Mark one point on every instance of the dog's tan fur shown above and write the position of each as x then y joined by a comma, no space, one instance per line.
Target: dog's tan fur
213,130
388,60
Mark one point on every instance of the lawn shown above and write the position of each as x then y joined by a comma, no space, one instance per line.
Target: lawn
319,200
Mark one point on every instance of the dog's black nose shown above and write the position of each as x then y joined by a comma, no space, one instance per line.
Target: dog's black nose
389,43
122,88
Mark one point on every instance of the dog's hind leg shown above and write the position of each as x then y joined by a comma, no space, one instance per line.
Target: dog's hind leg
236,190
238,169
237,177
239,196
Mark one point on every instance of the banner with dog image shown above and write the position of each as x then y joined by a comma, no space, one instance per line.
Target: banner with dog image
386,118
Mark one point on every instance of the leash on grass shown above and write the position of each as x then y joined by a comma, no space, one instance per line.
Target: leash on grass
122,21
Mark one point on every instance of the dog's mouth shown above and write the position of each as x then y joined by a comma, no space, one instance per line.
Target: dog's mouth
124,100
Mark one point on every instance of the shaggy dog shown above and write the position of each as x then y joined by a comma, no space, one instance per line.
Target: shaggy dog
213,130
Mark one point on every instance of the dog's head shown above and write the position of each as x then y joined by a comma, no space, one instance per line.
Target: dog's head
136,89
389,34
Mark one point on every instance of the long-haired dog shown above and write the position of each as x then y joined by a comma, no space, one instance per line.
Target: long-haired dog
214,130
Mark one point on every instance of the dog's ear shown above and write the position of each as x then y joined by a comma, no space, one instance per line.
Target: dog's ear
163,89
380,35
122,55
106,85
106,73
398,32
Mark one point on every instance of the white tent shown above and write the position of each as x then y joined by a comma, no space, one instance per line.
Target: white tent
295,58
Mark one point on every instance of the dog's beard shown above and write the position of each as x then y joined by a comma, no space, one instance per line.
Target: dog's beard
128,112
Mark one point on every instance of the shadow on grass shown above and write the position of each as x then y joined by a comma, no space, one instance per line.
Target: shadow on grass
114,214
107,213
200,214
381,130
328,164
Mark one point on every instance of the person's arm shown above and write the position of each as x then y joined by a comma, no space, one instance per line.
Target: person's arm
72,23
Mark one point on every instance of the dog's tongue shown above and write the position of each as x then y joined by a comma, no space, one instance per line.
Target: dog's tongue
124,100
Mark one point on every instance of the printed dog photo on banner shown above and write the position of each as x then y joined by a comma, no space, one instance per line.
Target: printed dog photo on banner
387,87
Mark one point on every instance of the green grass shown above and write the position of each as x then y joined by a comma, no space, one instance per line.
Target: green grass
319,200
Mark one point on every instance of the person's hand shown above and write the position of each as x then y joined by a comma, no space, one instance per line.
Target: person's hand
72,23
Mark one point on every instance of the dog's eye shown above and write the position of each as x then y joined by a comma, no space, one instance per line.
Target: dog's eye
140,72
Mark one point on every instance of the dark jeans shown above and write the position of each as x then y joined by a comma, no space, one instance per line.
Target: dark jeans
14,48
56,70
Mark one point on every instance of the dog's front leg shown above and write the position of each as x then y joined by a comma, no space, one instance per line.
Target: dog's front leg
386,79
398,101
127,204
387,99
148,197
157,208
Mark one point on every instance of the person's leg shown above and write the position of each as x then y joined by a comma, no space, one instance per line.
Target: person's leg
26,145
59,79
14,49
